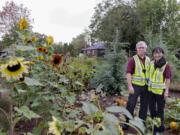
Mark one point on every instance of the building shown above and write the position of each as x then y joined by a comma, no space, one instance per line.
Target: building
97,49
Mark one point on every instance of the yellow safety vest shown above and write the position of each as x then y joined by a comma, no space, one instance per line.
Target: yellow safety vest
156,82
139,77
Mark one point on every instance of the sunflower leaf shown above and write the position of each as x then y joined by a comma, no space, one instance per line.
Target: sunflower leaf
26,112
24,48
118,109
89,108
32,82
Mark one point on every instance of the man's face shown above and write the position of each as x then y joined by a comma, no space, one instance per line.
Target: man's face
141,49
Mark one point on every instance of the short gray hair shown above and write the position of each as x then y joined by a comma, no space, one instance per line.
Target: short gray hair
140,43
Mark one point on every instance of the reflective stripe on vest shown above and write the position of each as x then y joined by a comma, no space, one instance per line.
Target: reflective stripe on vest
139,77
156,79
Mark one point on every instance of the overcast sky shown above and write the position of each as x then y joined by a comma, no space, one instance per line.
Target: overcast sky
63,19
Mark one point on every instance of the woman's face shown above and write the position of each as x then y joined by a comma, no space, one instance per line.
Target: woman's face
157,56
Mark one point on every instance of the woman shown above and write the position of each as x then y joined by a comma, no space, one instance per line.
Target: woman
159,81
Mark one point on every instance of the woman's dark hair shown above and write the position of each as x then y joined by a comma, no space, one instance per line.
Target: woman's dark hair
158,50
161,62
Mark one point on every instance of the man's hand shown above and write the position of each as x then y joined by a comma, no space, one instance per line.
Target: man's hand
166,93
131,89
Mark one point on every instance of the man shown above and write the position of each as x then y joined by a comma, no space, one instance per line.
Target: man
137,74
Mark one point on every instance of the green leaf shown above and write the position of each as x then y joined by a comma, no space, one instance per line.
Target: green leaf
29,133
71,99
138,123
104,132
26,112
63,79
112,128
118,109
21,91
69,125
32,82
89,108
1,133
24,48
78,83
111,118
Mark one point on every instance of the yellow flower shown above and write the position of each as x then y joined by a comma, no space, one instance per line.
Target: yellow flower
40,57
55,127
23,24
121,131
34,39
49,40
15,69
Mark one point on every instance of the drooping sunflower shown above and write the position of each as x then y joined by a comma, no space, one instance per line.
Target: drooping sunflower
49,40
42,50
23,24
14,69
55,127
56,59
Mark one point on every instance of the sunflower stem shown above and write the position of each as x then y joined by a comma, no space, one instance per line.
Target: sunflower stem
5,113
14,50
139,133
11,120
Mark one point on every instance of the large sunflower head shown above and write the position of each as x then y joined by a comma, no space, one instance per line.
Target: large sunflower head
49,40
55,127
56,59
14,69
23,24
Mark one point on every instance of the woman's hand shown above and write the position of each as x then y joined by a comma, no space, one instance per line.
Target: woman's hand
131,89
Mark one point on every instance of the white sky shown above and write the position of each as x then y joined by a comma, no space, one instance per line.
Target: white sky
63,19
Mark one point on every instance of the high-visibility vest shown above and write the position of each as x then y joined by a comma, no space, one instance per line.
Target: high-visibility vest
141,74
156,82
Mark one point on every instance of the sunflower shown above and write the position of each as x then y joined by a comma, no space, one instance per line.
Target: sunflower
56,59
121,131
40,57
34,39
14,69
55,127
23,24
42,50
49,40
27,40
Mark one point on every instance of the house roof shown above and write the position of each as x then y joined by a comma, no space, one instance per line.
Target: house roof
95,46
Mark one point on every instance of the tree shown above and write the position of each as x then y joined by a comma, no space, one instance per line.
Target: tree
110,73
11,14
78,43
171,29
115,14
135,19
152,14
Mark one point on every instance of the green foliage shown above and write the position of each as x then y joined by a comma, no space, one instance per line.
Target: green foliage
152,123
47,90
172,112
135,19
77,73
110,73
111,14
